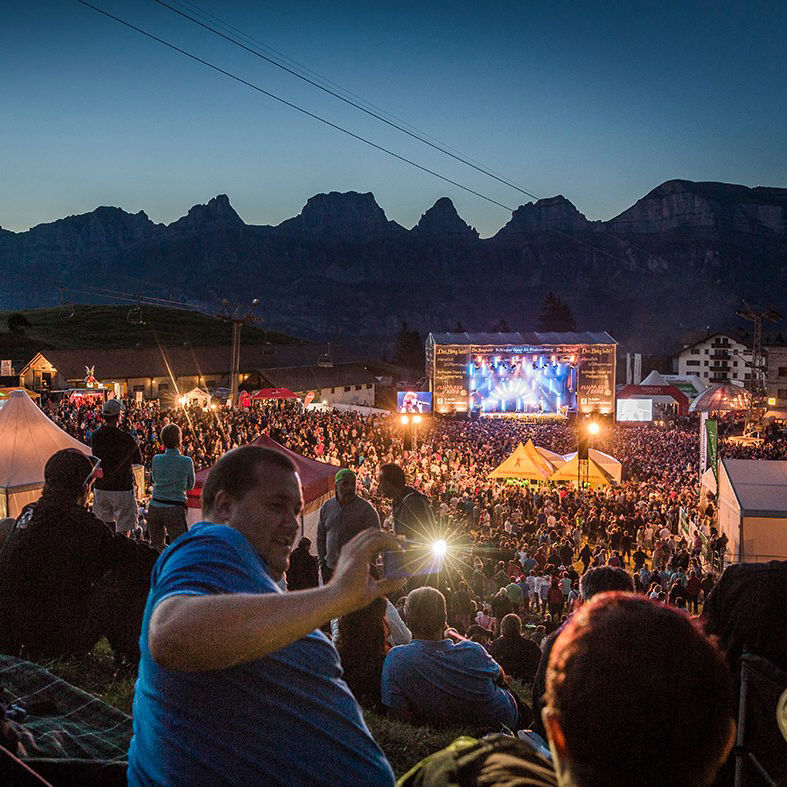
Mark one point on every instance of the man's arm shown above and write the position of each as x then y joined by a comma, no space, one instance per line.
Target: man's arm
195,633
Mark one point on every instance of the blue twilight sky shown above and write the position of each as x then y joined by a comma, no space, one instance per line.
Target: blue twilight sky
598,101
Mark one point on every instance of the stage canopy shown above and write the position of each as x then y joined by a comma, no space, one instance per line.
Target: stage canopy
596,475
317,480
27,439
720,398
274,393
526,463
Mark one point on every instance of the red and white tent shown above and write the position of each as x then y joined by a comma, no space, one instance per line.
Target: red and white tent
317,480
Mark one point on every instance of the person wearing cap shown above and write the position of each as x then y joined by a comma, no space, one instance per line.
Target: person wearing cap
65,578
114,501
341,518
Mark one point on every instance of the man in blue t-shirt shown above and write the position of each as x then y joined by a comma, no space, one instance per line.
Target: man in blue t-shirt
437,681
236,684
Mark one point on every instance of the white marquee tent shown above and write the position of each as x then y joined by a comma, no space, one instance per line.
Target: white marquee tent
27,439
752,503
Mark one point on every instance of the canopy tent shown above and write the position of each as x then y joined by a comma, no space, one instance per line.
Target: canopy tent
274,393
589,471
608,463
556,460
317,480
196,397
720,398
654,378
663,393
28,438
752,504
524,463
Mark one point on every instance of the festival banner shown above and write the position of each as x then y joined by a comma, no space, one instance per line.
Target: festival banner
703,445
712,432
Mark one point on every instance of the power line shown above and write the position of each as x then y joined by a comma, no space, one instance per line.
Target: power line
292,105
375,114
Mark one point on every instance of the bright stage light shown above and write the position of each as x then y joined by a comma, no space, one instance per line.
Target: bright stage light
405,419
416,419
183,400
439,548
593,428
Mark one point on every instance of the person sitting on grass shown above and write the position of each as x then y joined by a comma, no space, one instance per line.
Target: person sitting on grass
437,681
516,654
597,691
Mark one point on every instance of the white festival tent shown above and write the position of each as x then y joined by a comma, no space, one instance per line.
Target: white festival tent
752,504
27,439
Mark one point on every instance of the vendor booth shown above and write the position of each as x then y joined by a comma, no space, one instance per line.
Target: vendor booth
273,393
27,439
317,480
525,463
661,393
196,397
752,508
586,470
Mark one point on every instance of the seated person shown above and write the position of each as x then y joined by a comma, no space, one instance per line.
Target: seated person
605,713
437,681
516,654
65,578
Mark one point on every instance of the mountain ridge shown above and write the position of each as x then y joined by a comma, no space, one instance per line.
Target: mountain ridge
342,268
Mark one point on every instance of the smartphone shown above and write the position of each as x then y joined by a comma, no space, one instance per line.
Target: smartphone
414,560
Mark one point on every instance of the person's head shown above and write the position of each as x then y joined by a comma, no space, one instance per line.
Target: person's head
511,626
305,544
604,578
425,612
479,634
257,491
598,690
111,410
345,482
69,475
171,436
392,481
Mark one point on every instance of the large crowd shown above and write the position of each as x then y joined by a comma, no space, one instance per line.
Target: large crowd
522,563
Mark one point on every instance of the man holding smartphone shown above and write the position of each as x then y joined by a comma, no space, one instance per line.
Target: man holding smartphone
236,681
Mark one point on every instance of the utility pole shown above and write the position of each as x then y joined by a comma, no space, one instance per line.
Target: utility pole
238,319
757,389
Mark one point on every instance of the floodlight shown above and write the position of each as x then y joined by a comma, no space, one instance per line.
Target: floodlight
593,428
416,419
405,419
439,548
183,400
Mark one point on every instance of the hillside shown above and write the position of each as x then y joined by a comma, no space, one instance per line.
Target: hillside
680,259
66,328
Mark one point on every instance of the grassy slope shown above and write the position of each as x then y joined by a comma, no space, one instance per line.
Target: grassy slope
404,744
109,326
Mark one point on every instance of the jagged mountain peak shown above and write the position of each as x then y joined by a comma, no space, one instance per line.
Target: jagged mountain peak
217,211
341,217
442,220
544,215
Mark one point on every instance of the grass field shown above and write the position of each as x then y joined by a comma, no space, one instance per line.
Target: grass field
66,328
404,744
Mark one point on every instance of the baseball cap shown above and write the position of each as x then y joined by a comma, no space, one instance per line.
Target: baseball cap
112,407
69,470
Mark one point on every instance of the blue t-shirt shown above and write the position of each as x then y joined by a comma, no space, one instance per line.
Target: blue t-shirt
448,683
287,718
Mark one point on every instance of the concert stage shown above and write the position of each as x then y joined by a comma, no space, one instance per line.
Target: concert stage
526,375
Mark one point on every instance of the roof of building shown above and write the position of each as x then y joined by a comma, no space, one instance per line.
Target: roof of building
760,487
306,378
185,361
528,337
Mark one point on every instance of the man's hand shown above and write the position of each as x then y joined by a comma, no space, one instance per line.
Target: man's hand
352,581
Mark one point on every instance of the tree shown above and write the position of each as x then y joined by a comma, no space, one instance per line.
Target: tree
555,315
408,348
17,322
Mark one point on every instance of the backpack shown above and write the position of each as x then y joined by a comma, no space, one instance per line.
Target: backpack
459,764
